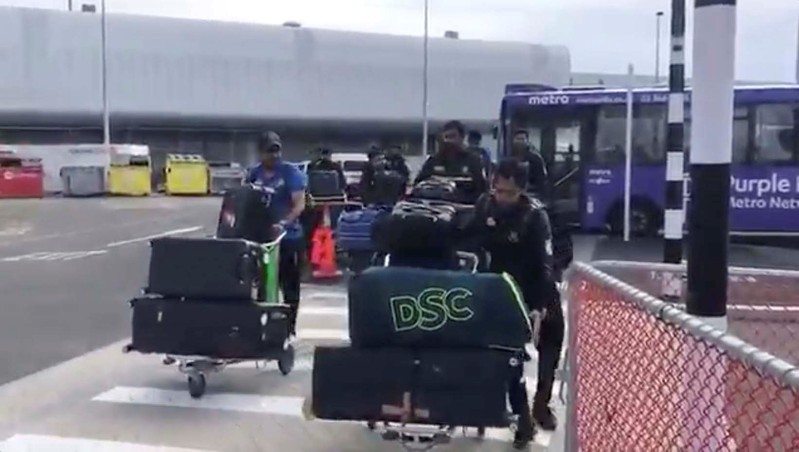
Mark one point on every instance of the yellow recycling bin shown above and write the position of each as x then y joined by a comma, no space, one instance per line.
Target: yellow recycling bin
131,178
186,174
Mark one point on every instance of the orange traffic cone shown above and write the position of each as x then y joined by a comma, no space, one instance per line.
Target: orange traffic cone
323,253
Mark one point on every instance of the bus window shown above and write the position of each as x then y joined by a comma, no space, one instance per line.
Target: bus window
649,134
740,136
775,126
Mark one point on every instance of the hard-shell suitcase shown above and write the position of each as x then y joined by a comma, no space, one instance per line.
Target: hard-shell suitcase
324,184
354,228
247,213
206,268
199,328
412,307
421,386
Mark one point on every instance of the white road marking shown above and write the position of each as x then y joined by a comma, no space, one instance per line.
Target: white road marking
300,365
249,403
313,334
317,294
14,231
41,443
154,236
337,311
51,256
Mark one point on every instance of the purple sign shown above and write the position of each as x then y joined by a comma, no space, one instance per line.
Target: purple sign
545,99
762,198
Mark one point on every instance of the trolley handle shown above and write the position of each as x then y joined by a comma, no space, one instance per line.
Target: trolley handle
274,243
466,260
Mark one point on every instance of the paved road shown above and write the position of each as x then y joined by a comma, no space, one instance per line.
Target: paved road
651,250
67,268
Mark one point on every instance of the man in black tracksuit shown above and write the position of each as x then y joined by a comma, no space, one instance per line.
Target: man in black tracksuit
553,324
513,229
538,179
453,161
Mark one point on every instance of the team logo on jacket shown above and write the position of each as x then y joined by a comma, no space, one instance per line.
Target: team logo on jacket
465,170
513,237
491,222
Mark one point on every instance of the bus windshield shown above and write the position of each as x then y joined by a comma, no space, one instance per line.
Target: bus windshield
581,135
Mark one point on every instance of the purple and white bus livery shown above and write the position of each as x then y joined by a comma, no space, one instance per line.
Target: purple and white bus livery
581,134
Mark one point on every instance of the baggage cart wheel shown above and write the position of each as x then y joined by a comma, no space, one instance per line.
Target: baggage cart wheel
286,361
196,385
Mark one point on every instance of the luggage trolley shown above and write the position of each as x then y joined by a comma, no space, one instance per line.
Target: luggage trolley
423,437
197,368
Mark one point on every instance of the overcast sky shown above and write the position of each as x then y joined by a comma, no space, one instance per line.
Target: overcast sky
603,35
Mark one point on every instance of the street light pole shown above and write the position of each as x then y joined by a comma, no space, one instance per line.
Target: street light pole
104,59
425,76
69,4
659,16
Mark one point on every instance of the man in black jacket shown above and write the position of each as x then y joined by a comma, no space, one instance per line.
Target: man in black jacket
538,179
513,229
454,162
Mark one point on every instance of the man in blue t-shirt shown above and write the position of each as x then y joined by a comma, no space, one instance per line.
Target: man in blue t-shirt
288,202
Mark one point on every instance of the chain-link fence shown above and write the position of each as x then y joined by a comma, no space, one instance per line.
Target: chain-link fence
645,376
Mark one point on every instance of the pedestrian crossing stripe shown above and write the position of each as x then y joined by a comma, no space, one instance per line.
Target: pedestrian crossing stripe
318,334
44,443
50,256
294,407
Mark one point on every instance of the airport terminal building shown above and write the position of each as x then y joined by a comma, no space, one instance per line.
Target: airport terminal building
207,87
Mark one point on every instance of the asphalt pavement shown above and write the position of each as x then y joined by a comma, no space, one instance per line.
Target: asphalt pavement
68,268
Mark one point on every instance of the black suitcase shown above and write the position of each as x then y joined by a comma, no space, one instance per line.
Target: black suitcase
412,307
463,387
246,213
389,187
354,384
206,268
324,184
224,331
416,226
444,387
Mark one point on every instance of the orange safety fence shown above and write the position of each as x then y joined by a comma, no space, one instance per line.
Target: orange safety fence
645,376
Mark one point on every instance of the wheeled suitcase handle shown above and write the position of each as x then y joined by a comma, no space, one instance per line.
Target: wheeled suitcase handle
244,268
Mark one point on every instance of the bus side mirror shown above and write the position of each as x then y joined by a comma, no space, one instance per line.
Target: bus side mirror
495,132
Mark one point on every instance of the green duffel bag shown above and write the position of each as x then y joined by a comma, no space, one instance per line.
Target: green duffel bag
410,307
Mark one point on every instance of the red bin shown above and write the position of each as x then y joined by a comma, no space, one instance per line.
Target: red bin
21,178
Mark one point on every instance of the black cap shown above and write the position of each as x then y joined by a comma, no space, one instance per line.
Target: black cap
270,142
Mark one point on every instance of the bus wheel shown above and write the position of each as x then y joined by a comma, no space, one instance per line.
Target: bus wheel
645,218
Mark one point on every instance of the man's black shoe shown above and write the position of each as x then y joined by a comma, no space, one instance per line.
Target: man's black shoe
522,439
545,419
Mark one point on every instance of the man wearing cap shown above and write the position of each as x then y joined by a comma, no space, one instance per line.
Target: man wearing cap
289,184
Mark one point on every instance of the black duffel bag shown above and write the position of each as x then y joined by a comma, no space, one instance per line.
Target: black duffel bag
409,307
415,226
436,189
